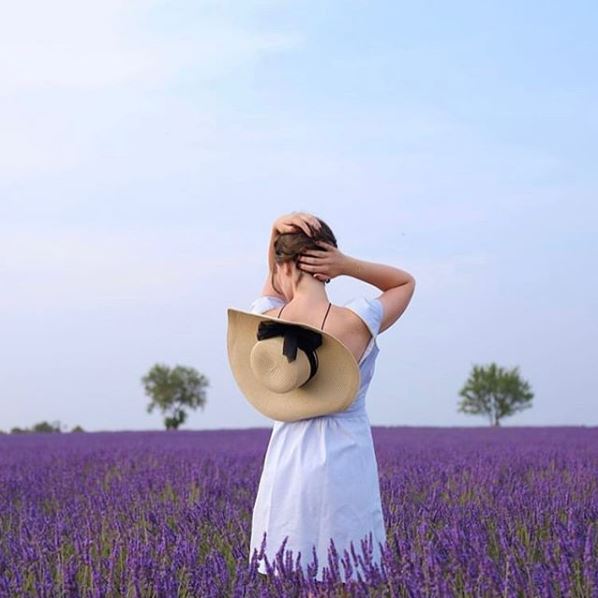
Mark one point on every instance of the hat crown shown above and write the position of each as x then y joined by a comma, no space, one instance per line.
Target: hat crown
272,368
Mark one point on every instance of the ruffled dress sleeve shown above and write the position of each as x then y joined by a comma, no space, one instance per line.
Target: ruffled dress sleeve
371,311
265,303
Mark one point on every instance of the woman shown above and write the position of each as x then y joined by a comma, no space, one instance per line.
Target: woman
320,475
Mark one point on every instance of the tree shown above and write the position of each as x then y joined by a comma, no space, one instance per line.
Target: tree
46,427
495,392
171,390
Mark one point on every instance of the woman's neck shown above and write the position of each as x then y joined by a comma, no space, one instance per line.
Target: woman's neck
309,291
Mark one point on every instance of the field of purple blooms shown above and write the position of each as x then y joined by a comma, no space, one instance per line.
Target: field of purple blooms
469,512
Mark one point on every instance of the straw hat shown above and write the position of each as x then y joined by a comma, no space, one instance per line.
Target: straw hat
289,371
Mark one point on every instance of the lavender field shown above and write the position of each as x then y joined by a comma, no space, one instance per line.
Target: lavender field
469,512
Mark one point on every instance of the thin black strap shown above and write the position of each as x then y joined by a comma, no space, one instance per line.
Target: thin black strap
323,322
329,306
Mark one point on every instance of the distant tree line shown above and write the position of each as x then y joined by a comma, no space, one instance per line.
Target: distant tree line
491,391
44,426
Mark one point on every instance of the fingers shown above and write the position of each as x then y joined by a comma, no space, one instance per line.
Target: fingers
319,273
323,252
314,253
305,258
302,220
299,223
306,216
312,228
311,219
305,220
304,226
310,267
324,248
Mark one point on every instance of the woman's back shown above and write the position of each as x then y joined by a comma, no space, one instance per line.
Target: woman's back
340,321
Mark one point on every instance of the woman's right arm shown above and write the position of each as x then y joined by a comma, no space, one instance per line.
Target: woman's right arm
380,275
397,286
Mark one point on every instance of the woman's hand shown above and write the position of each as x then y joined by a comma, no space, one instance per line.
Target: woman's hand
324,264
289,223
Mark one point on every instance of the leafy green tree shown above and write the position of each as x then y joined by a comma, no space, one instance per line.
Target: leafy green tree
495,392
173,390
46,427
77,428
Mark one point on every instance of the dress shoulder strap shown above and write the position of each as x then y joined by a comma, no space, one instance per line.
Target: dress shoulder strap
329,306
323,321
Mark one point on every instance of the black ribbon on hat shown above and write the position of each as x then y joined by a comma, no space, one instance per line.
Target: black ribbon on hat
295,337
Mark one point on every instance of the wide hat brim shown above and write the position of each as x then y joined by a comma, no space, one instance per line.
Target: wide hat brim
333,388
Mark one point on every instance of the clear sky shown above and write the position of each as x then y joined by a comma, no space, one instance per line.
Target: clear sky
146,148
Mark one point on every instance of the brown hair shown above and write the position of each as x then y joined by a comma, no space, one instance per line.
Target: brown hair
289,246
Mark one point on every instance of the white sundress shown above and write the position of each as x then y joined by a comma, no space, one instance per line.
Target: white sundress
320,475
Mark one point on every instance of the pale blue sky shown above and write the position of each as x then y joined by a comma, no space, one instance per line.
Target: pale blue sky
147,147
